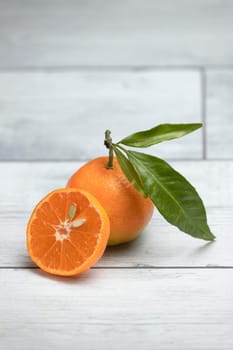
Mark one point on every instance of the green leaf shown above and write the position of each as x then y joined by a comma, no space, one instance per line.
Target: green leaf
160,133
175,198
130,172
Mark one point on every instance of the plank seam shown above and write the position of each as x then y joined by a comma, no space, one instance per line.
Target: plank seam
60,68
203,113
100,68
73,160
146,267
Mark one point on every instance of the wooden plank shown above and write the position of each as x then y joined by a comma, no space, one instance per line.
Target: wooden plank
161,245
63,115
23,184
136,32
219,114
112,309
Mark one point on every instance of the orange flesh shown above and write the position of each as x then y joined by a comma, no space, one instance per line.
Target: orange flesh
63,245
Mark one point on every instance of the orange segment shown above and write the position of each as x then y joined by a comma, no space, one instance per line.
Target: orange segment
67,232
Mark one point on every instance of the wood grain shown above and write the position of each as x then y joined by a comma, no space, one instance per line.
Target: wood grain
161,245
219,114
63,115
112,309
141,33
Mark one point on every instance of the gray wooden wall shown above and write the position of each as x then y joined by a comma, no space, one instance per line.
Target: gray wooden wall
71,69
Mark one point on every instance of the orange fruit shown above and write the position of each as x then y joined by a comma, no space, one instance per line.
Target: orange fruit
128,211
67,232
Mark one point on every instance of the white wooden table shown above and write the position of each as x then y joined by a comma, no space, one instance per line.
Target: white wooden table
165,290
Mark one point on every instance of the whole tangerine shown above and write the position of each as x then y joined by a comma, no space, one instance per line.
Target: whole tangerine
129,212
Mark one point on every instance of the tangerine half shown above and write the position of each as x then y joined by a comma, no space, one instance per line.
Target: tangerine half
129,212
67,232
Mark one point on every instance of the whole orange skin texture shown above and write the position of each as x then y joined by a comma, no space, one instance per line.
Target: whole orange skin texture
129,212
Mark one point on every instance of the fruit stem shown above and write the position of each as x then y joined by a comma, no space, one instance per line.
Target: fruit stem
108,144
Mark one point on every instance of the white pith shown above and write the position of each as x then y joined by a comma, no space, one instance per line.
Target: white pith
67,226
